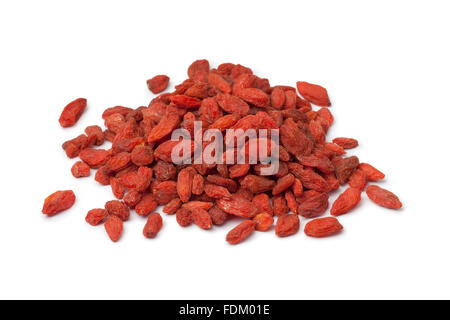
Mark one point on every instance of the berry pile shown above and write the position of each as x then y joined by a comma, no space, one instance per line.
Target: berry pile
139,169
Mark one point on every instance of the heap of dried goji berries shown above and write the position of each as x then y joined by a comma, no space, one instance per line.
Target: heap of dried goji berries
139,168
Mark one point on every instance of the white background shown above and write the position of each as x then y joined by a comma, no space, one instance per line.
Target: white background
385,65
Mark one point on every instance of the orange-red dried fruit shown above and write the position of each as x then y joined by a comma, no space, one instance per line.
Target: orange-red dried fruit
153,225
346,143
254,96
94,157
117,188
183,217
256,184
95,135
185,102
294,140
323,227
184,184
263,221
287,225
209,110
215,79
117,208
72,112
158,83
237,206
314,206
232,104
277,97
198,66
383,197
165,191
172,206
217,192
240,232
262,203
164,127
96,216
58,201
201,218
142,155
291,202
146,205
218,216
358,179
280,207
198,184
114,228
191,205
314,93
80,169
372,173
283,183
132,198
297,188
346,201
344,168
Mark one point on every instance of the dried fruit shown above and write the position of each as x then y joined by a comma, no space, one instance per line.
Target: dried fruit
58,201
346,201
142,169
314,206
372,173
146,205
114,228
184,217
117,208
287,225
201,218
158,83
346,143
72,112
323,227
96,216
383,197
153,225
263,221
241,232
80,169
314,93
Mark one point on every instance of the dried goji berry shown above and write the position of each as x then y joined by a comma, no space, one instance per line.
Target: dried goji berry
146,205
158,83
114,228
172,206
96,216
314,93
323,227
372,173
383,197
80,169
184,217
346,143
72,112
241,232
263,221
287,225
153,225
218,216
58,201
346,201
201,218
117,208
117,188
